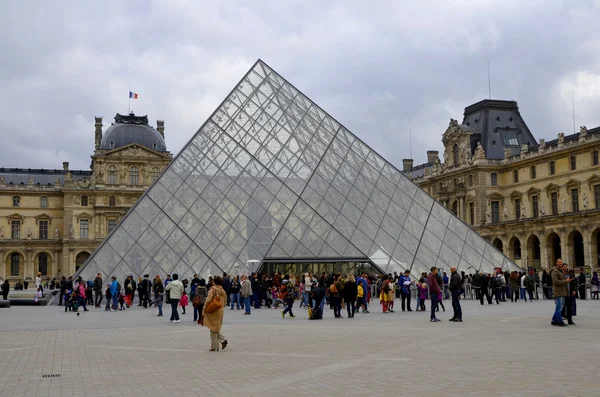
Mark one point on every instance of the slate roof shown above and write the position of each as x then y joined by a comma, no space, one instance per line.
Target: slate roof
132,129
19,176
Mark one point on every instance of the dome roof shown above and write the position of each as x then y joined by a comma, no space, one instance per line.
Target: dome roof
129,129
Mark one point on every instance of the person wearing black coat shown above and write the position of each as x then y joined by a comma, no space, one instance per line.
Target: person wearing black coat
484,288
63,288
5,289
581,281
349,294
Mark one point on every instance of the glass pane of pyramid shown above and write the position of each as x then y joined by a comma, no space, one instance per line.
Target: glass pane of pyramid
270,175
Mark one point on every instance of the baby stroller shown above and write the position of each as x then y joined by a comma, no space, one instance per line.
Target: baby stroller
315,314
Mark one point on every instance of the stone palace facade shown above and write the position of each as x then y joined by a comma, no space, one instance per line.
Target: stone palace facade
535,200
51,220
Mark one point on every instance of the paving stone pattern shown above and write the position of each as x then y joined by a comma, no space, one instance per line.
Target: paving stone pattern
500,350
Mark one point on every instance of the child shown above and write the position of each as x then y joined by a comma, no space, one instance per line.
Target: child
159,303
274,297
121,299
440,301
38,294
360,296
108,298
421,297
183,302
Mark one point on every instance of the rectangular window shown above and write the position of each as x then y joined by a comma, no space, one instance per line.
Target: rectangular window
597,196
43,230
494,178
43,263
573,163
112,223
16,201
595,157
517,209
112,175
83,228
84,201
495,211
472,213
575,199
15,264
15,230
533,174
516,176
111,201
44,202
554,202
552,168
534,205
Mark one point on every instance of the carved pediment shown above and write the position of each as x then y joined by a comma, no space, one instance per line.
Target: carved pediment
533,191
572,184
592,180
134,150
515,194
43,217
15,217
495,196
83,215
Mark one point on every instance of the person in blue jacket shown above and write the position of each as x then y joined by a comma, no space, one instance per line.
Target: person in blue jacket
114,292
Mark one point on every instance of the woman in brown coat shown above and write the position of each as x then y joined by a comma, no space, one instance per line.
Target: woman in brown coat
214,321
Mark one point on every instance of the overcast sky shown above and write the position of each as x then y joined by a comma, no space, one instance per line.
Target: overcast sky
380,68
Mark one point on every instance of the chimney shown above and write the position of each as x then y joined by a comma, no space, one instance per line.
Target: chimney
160,127
98,132
407,164
432,156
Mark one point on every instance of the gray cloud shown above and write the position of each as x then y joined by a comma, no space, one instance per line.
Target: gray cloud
381,68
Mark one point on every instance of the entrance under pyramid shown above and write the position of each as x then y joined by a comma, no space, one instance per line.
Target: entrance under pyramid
272,182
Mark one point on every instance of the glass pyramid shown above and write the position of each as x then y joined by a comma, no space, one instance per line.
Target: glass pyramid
270,175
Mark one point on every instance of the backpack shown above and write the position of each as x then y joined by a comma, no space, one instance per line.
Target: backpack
333,288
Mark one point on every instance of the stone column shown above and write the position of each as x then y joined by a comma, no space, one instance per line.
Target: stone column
3,273
543,252
587,247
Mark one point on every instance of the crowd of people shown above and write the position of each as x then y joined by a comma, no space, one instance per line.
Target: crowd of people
339,291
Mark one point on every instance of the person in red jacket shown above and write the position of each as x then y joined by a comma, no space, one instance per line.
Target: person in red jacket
434,290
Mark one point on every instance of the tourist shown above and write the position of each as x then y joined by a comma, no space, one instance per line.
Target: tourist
365,285
287,289
38,294
336,289
158,289
308,280
227,286
214,321
595,285
63,288
455,292
245,293
349,294
200,294
404,283
391,295
547,284
234,296
514,286
523,287
98,290
130,287
115,290
183,301
434,290
167,280
582,281
421,295
6,290
530,285
384,294
573,287
81,295
38,281
108,296
174,292
144,293
484,285
559,291
476,282
446,281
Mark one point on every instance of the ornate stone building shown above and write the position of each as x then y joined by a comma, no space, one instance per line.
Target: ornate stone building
534,200
51,220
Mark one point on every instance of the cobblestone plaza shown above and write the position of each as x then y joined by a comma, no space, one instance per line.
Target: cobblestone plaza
500,350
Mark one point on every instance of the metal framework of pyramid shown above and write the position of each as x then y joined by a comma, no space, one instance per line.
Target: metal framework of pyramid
271,175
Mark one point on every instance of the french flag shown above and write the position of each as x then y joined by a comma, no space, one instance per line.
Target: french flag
133,95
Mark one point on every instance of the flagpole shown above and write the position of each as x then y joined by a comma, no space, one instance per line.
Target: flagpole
129,96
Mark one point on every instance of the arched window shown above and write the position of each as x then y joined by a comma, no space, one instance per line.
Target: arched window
494,179
455,154
112,175
134,176
43,202
517,249
112,201
15,264
155,173
43,263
